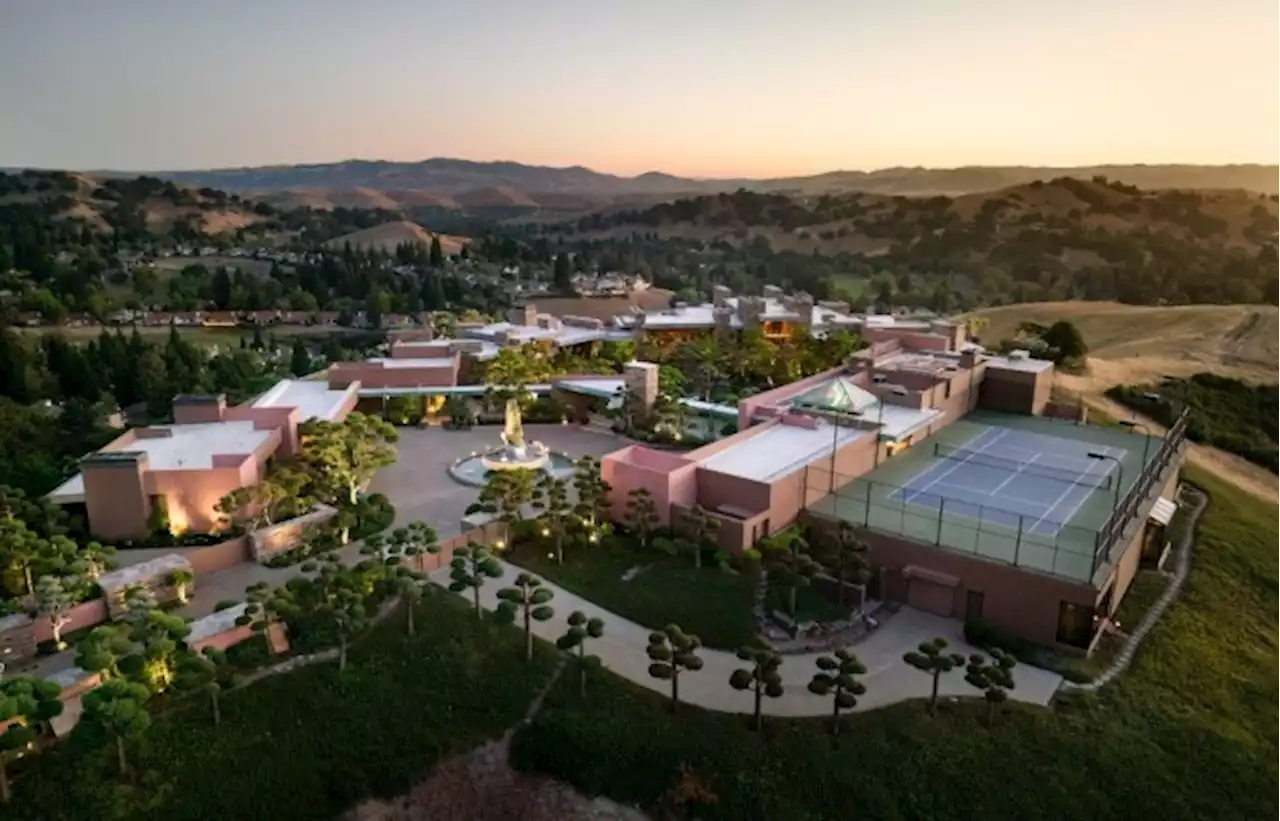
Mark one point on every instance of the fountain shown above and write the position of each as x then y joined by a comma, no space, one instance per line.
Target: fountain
515,454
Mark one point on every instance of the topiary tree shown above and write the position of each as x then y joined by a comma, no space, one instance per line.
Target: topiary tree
845,557
114,712
993,677
702,530
932,658
837,677
92,560
19,550
641,514
101,651
761,677
55,598
504,495
580,629
551,496
138,598
25,704
789,565
181,581
159,640
593,493
528,598
673,652
470,567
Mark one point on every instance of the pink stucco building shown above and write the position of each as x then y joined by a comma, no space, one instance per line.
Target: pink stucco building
210,450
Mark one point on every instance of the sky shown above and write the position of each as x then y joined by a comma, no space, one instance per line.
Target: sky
705,88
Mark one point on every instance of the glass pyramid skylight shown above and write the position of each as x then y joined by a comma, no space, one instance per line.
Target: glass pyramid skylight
839,395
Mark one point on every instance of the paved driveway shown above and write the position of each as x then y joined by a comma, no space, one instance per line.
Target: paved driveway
419,484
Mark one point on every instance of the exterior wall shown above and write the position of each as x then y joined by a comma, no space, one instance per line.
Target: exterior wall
1016,391
216,557
920,340
1129,559
670,479
716,490
747,407
116,497
376,375
284,536
190,410
85,614
282,419
1021,601
491,534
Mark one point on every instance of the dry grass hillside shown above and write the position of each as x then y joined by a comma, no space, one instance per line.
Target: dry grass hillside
1134,344
388,235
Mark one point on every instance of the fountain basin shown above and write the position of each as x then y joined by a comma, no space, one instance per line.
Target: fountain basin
474,470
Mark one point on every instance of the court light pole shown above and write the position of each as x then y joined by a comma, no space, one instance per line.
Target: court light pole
1119,472
1133,425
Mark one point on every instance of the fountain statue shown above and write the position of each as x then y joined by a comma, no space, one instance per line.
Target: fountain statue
514,453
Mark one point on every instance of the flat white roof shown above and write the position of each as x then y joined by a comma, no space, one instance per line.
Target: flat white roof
312,398
897,422
603,386
778,451
1011,364
415,362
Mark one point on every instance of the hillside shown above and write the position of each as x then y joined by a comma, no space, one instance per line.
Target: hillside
387,236
453,176
128,206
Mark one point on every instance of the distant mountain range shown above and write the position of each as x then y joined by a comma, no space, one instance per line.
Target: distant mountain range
466,185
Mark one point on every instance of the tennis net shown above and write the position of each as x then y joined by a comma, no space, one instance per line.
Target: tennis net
1068,475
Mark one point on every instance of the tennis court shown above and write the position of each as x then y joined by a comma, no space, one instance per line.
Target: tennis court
1023,490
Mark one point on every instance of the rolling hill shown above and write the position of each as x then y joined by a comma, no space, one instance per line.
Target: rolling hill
542,184
388,235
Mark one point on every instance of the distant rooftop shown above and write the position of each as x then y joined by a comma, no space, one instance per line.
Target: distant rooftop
414,362
1015,362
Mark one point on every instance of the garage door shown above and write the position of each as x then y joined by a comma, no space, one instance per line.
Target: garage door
931,597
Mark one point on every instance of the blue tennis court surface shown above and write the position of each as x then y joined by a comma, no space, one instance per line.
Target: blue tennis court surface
1023,480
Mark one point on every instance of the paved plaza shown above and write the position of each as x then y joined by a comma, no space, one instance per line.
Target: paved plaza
420,487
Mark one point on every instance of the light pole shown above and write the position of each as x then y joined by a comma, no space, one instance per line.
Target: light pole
1133,425
1119,472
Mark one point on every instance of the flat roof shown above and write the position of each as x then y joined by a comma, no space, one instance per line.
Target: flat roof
445,390
414,362
779,450
933,363
312,398
1010,363
604,386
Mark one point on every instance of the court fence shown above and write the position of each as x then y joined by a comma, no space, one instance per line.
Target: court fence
987,531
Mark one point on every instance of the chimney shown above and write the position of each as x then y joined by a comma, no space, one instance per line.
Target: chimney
190,409
720,295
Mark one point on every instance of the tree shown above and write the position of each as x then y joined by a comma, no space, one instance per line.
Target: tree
344,456
528,598
409,584
789,566
25,704
104,647
673,652
641,514
551,496
115,711
299,358
561,275
702,530
846,558
471,566
436,254
580,629
932,659
19,550
593,494
994,677
253,507
181,581
761,678
159,645
1066,339
837,678
92,560
504,495
334,596
55,597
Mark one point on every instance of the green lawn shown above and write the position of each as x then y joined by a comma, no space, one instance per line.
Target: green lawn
711,603
309,744
1189,732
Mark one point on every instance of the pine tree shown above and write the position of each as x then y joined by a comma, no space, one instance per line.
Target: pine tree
436,258
300,359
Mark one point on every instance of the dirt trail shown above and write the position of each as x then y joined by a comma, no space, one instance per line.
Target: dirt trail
1251,478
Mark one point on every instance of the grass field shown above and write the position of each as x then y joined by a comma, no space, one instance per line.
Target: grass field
309,744
713,604
1189,732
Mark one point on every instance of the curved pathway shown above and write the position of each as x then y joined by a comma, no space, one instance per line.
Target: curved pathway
889,680
1182,566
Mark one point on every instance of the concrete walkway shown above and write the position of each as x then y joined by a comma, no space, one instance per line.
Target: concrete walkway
889,679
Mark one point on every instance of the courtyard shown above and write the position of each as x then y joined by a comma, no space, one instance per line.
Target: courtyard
419,484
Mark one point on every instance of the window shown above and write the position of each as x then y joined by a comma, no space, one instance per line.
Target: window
947,393
973,605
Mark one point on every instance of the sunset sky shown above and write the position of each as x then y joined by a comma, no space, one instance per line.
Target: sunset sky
695,87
